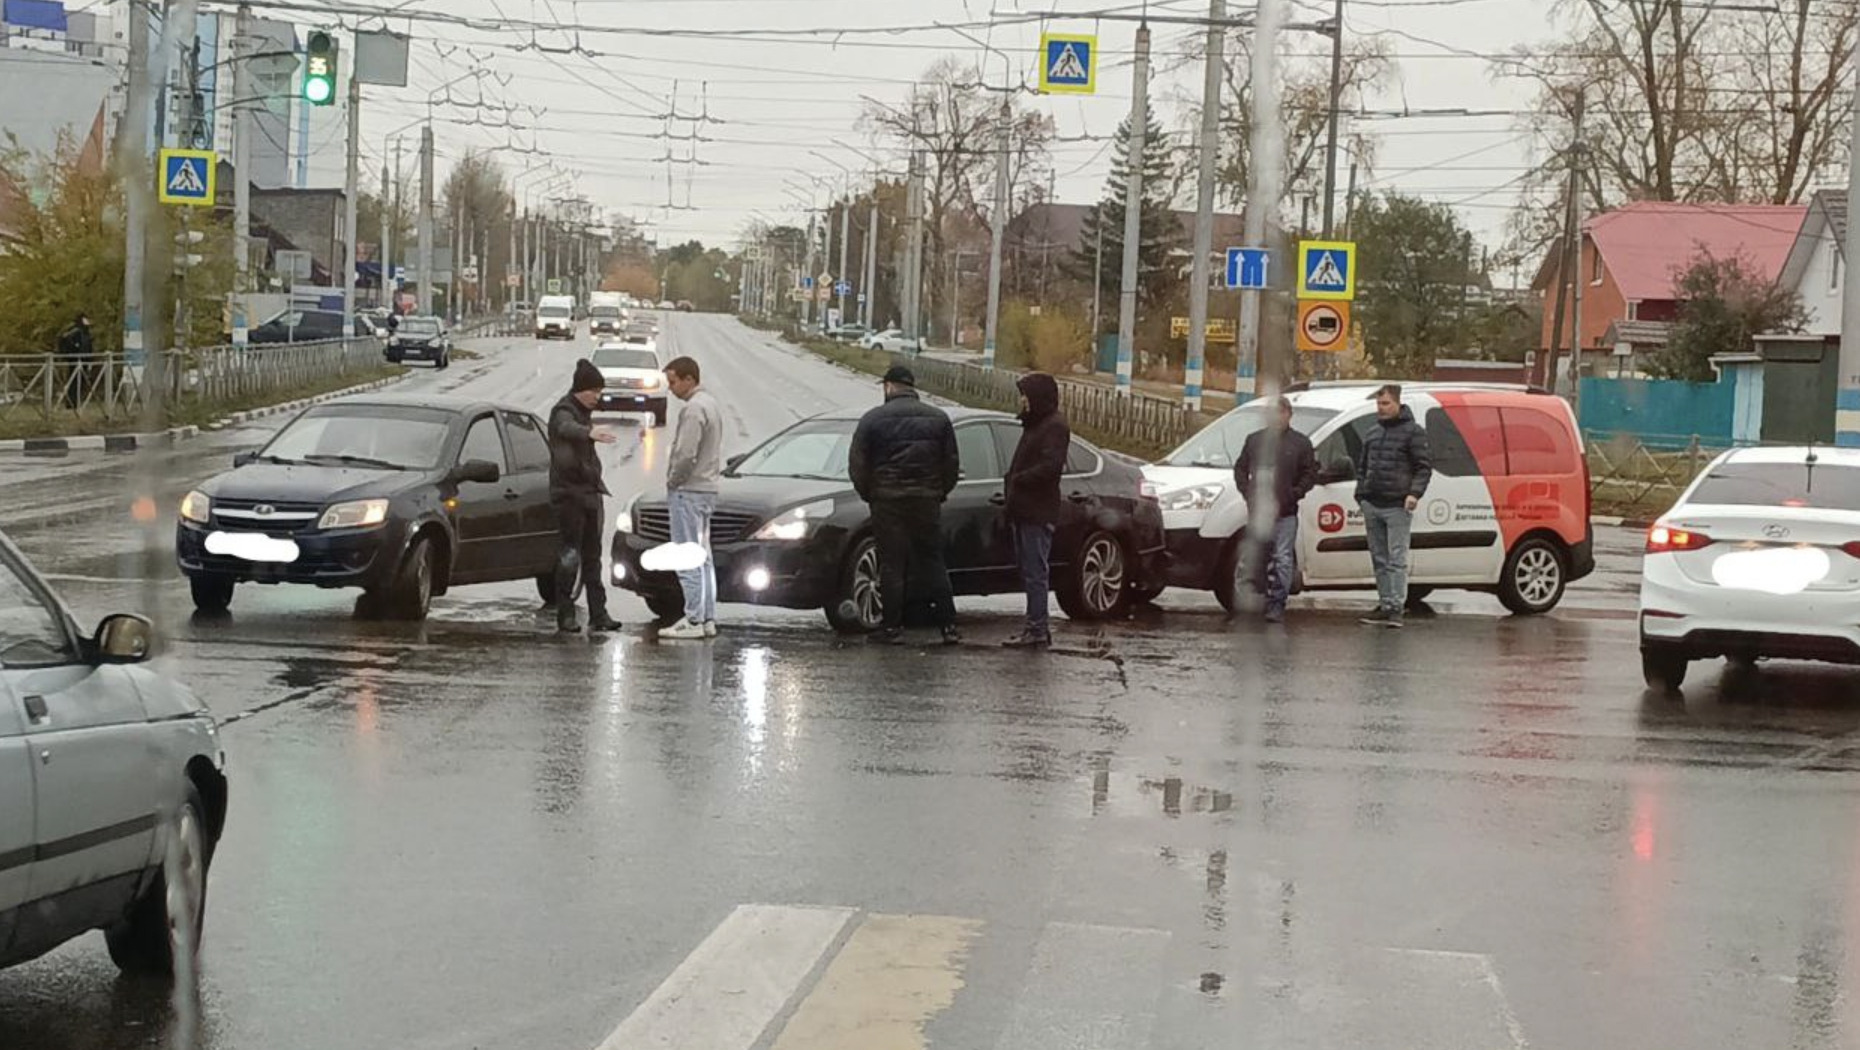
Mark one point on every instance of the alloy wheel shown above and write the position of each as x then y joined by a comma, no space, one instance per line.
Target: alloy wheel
1101,573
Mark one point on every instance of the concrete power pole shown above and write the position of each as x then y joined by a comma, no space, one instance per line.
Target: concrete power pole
1336,104
139,190
1133,213
1210,149
1847,397
1003,139
426,219
813,234
845,275
869,291
1262,208
911,296
1575,233
242,173
351,184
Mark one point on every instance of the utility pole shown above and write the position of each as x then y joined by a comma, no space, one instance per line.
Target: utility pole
870,291
845,275
139,191
1336,104
1003,135
1210,148
1846,424
242,172
426,219
1575,234
1133,214
1097,282
1262,207
813,233
911,297
351,184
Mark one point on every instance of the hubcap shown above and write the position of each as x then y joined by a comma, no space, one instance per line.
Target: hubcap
867,597
185,874
1538,575
1101,573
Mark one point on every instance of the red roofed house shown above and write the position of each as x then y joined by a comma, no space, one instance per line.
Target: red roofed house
1631,257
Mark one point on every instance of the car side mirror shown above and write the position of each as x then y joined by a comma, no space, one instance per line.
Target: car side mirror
244,458
124,639
482,471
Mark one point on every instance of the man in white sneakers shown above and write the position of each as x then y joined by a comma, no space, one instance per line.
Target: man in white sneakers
692,471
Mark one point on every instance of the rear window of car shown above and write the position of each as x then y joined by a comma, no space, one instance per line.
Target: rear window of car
1821,486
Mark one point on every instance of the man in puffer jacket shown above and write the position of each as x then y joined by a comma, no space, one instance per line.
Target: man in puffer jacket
1391,478
1033,499
904,463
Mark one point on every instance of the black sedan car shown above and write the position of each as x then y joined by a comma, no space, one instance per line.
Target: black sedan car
790,531
402,497
419,339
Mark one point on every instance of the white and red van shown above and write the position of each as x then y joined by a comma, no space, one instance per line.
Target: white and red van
1507,511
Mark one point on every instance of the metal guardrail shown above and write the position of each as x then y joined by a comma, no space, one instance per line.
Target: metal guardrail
1647,471
52,388
1135,421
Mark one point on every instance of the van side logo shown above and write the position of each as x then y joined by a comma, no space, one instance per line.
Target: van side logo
1330,518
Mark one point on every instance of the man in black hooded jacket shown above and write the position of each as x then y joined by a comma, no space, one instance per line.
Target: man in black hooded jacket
904,464
576,488
1033,499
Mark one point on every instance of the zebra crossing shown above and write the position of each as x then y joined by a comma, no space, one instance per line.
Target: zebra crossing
789,977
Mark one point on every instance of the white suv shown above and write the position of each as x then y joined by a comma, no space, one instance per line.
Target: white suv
1759,558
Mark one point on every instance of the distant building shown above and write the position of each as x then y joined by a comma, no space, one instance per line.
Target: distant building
1816,265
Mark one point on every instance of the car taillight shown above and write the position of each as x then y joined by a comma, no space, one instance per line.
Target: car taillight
1664,538
1852,549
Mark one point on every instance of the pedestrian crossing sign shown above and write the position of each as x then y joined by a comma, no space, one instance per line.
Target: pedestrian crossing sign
186,177
1068,64
1327,270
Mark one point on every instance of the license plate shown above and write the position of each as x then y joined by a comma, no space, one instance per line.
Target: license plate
252,546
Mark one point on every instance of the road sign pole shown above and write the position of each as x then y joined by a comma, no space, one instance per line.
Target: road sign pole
351,180
1210,148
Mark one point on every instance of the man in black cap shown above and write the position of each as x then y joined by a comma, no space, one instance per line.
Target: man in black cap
904,463
576,488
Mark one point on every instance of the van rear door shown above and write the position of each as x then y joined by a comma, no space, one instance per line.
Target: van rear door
1456,537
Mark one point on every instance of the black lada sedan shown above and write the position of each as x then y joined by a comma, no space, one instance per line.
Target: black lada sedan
789,530
402,497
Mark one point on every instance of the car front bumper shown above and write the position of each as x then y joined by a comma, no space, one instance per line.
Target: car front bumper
340,558
618,400
1189,559
1706,620
800,575
414,352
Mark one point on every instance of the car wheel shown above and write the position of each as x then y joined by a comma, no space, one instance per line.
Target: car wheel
411,594
545,589
1144,596
165,925
860,608
1230,583
212,594
1534,577
1418,596
1096,587
666,606
443,363
1663,667
658,418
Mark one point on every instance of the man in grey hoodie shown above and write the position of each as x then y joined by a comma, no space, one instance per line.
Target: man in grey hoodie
692,471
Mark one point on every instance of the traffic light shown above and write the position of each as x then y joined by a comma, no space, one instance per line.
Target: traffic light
320,69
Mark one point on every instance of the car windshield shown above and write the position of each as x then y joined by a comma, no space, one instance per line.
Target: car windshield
405,437
554,311
1220,443
604,311
817,448
419,326
639,340
1821,486
619,357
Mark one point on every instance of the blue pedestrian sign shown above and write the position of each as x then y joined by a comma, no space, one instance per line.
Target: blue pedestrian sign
1327,270
1248,268
843,289
807,283
1068,64
186,177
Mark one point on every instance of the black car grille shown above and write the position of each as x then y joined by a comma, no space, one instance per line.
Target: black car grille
653,522
626,383
273,517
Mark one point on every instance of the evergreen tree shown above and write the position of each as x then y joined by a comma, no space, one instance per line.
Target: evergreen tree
1158,277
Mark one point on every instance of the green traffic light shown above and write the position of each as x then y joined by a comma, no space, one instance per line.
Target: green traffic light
318,90
320,69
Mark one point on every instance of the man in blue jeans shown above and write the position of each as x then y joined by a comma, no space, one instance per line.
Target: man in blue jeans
1277,467
1033,499
692,470
1391,478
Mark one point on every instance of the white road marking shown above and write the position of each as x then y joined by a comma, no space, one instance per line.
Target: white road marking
733,985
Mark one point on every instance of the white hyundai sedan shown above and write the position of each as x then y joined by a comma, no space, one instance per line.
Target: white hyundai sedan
1760,558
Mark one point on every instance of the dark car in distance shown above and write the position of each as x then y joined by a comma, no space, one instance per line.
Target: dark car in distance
402,497
419,339
790,531
299,326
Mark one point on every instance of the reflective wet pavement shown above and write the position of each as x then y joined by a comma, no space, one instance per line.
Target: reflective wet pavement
1179,832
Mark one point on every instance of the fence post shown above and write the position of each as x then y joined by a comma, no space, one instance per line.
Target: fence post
51,380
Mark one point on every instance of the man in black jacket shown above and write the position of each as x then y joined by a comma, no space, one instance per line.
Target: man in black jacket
1277,467
76,347
1391,478
576,488
904,464
1033,499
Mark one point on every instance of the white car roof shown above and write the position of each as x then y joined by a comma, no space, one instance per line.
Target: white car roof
1829,454
1340,395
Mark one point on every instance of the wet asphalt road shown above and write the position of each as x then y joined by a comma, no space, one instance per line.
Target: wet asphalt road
1180,831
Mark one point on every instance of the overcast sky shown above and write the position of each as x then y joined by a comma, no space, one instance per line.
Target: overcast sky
773,101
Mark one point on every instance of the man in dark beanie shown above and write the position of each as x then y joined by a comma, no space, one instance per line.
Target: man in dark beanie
576,488
1033,499
904,464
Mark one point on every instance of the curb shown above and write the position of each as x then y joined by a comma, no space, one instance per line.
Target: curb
55,446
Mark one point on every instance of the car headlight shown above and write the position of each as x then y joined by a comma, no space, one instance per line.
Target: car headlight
357,514
195,506
796,523
624,523
1198,497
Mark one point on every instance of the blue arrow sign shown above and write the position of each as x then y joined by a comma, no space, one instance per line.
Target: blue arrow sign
843,288
1248,267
